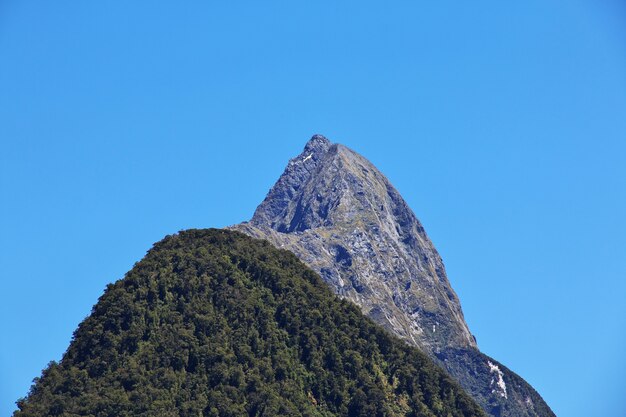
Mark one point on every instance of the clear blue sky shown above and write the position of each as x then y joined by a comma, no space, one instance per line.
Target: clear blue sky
502,123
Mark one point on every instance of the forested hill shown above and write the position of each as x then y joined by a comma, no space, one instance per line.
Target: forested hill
214,323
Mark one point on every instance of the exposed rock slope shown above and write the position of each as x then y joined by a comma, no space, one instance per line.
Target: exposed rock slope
343,218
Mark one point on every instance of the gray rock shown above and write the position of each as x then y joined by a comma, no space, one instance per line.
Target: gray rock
343,218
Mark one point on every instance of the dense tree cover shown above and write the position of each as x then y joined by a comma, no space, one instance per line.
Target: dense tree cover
214,323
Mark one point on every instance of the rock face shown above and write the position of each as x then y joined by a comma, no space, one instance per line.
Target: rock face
343,218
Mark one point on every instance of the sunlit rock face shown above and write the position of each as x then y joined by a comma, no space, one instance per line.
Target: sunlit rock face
337,212
341,216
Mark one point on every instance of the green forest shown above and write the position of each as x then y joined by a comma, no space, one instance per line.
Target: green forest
214,323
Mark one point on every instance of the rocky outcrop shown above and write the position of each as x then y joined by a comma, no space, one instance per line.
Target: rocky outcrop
342,217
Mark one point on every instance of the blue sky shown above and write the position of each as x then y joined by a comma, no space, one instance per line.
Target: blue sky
503,125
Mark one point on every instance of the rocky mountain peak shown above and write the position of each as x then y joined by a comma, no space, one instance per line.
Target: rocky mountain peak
342,217
317,143
339,212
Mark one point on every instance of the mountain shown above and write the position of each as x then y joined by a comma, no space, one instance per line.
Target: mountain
215,323
342,217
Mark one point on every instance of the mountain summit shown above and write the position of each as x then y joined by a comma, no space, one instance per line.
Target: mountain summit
341,216
335,210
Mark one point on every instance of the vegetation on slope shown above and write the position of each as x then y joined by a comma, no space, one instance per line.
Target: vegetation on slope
214,323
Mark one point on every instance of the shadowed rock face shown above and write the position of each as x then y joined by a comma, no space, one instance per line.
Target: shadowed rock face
342,217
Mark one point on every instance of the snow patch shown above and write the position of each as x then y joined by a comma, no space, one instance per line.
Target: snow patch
501,386
307,158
